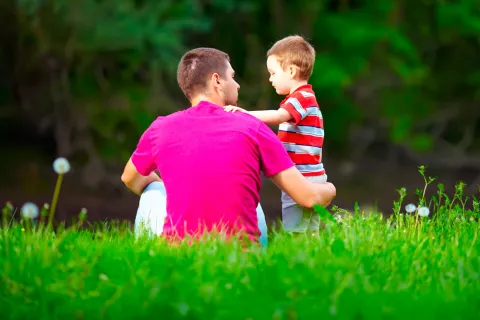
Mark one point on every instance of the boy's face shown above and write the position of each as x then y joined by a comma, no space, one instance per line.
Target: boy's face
281,79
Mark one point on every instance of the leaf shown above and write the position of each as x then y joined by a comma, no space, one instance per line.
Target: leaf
324,214
338,247
461,16
421,142
401,44
330,73
401,128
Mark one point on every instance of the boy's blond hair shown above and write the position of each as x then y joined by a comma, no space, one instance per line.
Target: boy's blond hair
294,50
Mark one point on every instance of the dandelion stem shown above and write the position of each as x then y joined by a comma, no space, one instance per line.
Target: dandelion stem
27,223
4,221
55,199
5,213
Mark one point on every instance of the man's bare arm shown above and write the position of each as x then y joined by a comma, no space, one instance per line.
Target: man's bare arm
272,117
134,180
302,191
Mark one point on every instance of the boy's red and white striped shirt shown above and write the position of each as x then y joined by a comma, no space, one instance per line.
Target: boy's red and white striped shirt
303,135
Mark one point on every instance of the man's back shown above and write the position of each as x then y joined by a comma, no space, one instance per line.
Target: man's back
210,162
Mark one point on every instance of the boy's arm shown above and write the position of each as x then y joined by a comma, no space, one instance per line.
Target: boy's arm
272,117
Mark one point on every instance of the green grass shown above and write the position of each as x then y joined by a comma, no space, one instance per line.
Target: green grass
364,267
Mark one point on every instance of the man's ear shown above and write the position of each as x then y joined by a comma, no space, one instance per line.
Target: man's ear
215,79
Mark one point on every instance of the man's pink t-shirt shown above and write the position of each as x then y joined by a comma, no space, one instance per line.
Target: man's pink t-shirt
210,161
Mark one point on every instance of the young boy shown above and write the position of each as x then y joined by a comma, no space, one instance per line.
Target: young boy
290,64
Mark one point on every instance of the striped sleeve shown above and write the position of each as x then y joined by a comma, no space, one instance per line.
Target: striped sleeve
295,106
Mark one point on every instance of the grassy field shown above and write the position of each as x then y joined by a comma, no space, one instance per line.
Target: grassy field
363,266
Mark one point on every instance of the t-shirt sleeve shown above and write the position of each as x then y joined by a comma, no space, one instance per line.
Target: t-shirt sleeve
295,108
273,156
142,157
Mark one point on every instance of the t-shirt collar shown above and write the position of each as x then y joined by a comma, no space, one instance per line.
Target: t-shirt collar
205,103
305,87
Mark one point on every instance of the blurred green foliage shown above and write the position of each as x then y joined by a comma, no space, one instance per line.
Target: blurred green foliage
96,73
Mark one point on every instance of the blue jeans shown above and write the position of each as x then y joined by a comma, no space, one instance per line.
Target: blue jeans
152,211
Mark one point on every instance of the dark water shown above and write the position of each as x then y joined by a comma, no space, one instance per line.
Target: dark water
373,185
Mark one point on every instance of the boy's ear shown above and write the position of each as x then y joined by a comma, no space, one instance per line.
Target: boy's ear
292,71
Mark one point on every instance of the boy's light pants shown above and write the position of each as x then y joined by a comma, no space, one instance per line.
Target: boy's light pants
152,211
295,218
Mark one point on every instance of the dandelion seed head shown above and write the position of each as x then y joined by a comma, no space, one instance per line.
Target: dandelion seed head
423,211
410,208
29,210
61,165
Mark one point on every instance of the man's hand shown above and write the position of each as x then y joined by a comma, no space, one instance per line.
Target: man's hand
302,191
326,188
233,109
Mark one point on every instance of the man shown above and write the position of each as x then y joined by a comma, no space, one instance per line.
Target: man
210,160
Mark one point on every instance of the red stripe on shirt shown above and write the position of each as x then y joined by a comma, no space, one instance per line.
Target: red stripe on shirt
297,117
305,102
312,121
302,158
298,138
313,174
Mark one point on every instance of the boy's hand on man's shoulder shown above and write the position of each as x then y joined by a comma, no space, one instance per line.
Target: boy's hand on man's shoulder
234,109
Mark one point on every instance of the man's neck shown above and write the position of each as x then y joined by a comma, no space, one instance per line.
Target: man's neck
215,100
297,85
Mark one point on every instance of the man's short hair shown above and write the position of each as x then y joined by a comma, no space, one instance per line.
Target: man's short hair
197,66
294,50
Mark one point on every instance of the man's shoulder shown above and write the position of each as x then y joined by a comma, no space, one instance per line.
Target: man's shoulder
174,115
164,120
252,122
245,122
